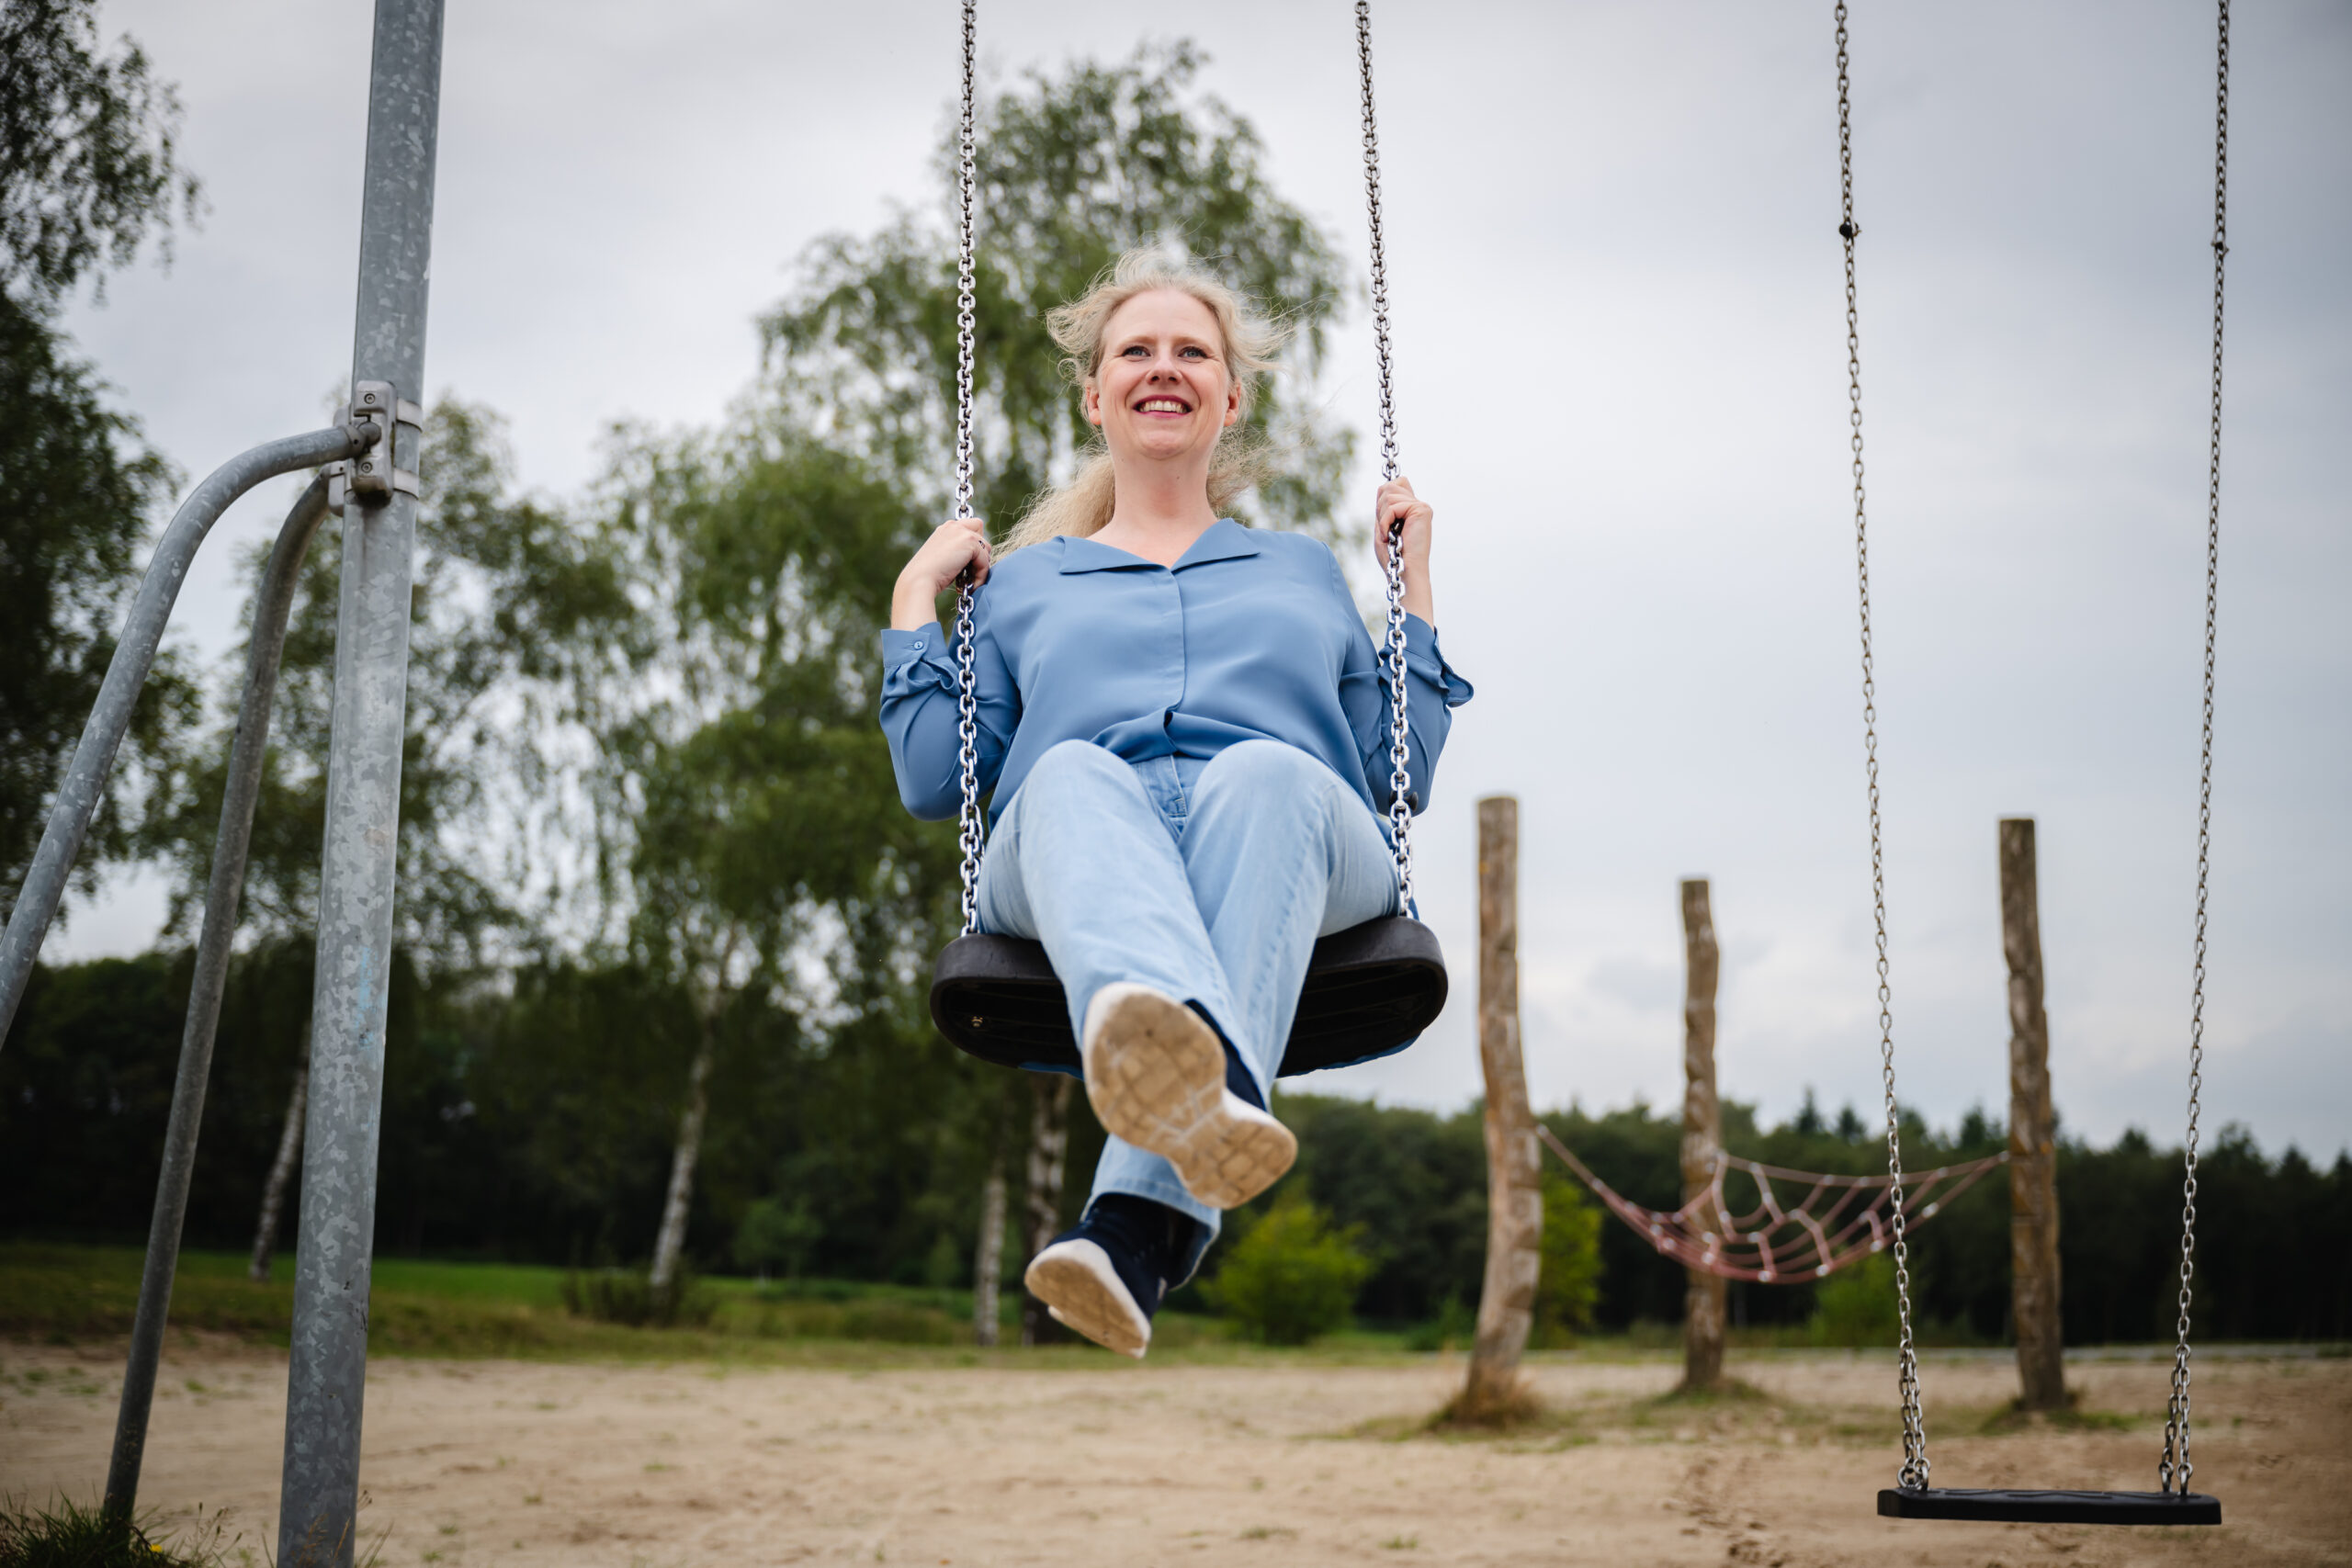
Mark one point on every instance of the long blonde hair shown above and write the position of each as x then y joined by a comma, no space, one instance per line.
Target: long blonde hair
1083,506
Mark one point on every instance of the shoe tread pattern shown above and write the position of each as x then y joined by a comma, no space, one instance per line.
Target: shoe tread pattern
1155,1074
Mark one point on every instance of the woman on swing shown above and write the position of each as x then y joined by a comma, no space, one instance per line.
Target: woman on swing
1185,728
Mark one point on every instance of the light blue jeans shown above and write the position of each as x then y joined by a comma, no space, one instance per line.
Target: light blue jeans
1207,881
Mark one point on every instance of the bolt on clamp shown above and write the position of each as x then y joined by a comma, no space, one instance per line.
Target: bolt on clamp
375,474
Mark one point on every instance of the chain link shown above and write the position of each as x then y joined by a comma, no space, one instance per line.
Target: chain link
1400,815
971,829
1915,1434
1400,783
2174,1470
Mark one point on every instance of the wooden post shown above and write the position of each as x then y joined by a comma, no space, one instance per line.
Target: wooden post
1514,1188
1703,1132
2033,1155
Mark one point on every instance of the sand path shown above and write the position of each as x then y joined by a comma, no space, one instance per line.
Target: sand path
476,1463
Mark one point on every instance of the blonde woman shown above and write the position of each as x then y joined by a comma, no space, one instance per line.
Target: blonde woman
1185,728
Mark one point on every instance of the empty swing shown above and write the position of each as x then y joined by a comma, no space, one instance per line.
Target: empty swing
1369,989
1912,1497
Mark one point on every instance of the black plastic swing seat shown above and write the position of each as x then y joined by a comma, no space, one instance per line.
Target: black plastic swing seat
2020,1507
1370,989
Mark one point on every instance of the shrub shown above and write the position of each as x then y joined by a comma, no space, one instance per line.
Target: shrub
1856,1306
1569,1286
775,1239
1293,1276
627,1297
1452,1328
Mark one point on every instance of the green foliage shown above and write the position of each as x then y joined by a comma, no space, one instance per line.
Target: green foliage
1293,1276
78,489
1072,170
775,1237
88,1069
1451,1329
1569,1286
88,152
1855,1307
88,168
1414,1181
67,1294
631,1298
514,614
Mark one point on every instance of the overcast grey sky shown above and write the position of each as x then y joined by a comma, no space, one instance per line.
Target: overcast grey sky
1621,378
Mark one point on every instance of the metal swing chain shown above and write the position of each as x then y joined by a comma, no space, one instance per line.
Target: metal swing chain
2173,1472
969,821
1400,784
1913,1473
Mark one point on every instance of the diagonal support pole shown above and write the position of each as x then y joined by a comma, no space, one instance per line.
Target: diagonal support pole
318,1503
271,607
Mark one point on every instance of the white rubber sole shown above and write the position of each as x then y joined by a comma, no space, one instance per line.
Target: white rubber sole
1076,1281
1155,1073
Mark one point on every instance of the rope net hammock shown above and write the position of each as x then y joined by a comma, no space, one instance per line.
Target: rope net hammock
1839,1220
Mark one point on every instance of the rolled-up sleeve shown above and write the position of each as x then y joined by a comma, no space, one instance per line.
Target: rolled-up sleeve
922,716
1433,689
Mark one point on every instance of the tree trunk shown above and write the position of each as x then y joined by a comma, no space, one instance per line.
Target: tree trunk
281,1169
1702,1133
987,1259
1049,1144
2034,1160
672,1241
1514,1189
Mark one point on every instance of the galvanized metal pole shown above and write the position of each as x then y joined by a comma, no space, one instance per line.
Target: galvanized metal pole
134,655
271,608
319,1502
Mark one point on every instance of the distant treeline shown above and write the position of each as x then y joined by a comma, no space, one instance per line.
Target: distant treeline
533,1121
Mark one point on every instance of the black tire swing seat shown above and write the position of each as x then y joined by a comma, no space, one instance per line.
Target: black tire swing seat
1370,989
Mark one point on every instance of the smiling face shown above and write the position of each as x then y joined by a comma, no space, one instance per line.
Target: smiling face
1162,389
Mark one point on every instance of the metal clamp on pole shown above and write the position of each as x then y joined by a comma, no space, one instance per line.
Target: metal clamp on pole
375,475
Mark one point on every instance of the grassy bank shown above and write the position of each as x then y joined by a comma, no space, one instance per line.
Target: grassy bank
65,1294
68,1294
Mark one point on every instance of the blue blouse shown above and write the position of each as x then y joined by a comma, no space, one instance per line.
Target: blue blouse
1252,634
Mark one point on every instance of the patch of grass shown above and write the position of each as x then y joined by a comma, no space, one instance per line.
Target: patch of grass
67,1294
1729,1392
627,1297
65,1534
2007,1418
1508,1409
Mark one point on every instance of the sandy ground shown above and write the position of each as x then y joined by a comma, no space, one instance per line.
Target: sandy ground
1280,1463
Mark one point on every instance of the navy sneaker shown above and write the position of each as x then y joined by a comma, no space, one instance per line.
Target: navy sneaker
1106,1278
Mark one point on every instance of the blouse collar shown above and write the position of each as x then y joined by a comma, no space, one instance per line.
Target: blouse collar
1225,539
